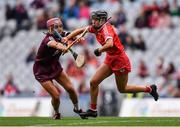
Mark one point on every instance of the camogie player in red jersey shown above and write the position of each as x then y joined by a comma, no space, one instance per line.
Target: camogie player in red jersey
116,61
47,67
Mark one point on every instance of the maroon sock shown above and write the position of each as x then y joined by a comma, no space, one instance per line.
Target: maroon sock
148,89
93,106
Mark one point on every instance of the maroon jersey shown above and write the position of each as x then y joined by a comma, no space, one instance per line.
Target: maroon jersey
47,65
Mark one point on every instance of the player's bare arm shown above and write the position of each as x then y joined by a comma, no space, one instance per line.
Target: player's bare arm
105,47
56,45
74,34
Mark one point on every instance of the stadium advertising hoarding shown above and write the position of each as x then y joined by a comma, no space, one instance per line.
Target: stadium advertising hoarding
37,106
25,107
129,108
150,108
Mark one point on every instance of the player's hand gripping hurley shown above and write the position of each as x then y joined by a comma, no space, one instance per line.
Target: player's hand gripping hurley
79,59
75,41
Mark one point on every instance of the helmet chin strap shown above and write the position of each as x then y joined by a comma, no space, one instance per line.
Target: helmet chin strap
100,22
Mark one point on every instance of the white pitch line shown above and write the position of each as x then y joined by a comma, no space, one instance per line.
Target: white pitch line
99,122
80,123
120,121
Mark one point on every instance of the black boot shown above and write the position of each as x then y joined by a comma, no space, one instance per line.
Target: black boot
89,113
154,92
79,113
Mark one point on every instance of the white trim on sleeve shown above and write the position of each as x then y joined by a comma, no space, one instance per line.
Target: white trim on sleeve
50,39
108,37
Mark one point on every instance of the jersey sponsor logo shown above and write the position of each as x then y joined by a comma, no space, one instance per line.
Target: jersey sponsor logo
38,78
51,38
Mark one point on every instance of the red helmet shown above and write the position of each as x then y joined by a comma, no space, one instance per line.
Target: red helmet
53,21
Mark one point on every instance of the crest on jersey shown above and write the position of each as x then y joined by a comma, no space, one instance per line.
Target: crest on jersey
122,70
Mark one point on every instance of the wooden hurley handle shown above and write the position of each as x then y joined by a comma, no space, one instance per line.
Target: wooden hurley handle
75,41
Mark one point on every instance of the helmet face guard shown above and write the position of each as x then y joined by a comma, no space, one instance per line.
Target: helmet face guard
99,16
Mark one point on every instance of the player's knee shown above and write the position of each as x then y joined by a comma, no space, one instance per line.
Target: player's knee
121,90
56,95
94,83
70,89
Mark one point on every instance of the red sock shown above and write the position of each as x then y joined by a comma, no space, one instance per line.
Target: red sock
148,89
93,106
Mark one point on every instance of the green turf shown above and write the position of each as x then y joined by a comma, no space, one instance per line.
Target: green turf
99,121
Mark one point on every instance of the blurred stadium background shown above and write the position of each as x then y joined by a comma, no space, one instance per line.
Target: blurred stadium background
149,30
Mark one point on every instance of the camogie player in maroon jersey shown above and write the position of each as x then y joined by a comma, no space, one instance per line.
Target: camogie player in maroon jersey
116,61
47,67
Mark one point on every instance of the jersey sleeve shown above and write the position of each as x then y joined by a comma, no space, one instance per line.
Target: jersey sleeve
108,32
47,40
66,33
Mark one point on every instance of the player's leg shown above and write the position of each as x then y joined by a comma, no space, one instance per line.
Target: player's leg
64,80
123,87
54,93
102,72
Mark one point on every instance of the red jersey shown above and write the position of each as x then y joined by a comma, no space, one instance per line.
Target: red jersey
107,31
116,58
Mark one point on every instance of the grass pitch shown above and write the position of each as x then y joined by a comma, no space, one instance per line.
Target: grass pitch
99,121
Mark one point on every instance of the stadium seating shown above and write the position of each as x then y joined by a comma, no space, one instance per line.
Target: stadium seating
160,42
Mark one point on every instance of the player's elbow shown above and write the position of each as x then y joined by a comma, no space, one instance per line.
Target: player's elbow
110,42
